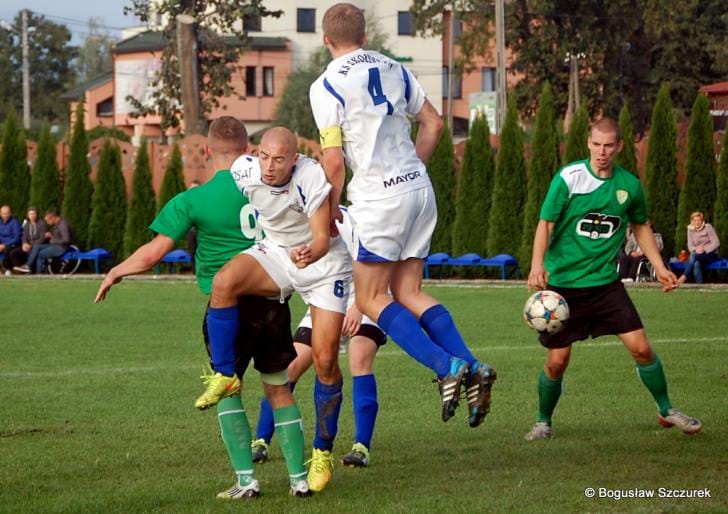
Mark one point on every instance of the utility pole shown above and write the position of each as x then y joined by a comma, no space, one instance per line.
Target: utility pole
26,70
450,67
500,46
187,54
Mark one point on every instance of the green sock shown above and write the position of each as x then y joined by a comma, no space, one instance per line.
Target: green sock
235,432
290,436
654,379
549,392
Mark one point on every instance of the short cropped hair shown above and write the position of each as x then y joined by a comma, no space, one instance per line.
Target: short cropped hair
344,24
606,125
228,134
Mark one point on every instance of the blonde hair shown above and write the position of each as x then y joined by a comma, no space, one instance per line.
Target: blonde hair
344,24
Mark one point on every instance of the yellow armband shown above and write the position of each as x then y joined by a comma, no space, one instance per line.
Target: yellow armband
331,137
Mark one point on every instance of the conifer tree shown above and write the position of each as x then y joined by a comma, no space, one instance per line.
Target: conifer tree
720,212
108,217
78,190
441,169
543,165
509,190
474,192
661,176
627,158
576,142
14,171
698,191
173,182
142,207
45,186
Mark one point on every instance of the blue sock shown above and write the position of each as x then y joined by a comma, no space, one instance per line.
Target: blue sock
266,423
327,399
439,325
405,330
222,328
365,408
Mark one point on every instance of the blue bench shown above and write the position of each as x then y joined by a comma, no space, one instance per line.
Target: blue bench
96,255
502,261
175,257
718,264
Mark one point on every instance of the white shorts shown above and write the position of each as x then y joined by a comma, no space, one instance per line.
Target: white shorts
324,284
391,229
365,320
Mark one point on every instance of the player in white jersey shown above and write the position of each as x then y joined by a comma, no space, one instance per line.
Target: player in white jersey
290,195
362,103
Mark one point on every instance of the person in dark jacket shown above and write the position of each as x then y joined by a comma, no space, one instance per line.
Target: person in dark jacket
34,233
59,240
10,234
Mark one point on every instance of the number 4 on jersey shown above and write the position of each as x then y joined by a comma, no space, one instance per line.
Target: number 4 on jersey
376,92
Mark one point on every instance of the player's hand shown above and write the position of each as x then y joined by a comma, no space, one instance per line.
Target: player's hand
301,256
537,278
352,322
668,279
105,286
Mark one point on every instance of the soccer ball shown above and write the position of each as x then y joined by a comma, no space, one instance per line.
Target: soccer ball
546,311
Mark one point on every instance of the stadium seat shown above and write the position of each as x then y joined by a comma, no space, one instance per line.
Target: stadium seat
175,257
96,255
502,261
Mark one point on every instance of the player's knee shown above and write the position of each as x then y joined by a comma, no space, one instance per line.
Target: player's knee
327,365
224,283
555,368
642,355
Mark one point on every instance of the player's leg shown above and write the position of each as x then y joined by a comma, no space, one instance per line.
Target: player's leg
266,426
649,369
362,350
326,333
549,391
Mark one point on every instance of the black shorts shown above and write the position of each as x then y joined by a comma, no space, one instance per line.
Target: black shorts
373,332
593,312
264,335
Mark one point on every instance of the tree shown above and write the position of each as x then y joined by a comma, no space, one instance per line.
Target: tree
173,181
698,191
627,158
661,176
544,162
108,217
576,141
441,169
509,189
14,172
78,190
217,54
143,205
720,213
45,185
94,55
50,54
474,192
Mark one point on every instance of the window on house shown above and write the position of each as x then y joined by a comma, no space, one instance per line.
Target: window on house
306,20
251,23
105,108
457,83
268,89
250,81
457,29
488,79
405,23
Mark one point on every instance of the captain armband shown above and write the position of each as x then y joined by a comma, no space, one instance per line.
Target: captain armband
331,137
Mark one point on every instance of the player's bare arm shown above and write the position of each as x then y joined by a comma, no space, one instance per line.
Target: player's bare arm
143,259
332,161
319,245
538,278
646,240
429,132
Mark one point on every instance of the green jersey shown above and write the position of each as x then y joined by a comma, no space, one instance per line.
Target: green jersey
226,224
590,216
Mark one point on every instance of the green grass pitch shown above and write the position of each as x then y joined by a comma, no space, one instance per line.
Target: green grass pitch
96,412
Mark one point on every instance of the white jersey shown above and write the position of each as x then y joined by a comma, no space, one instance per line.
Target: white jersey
369,96
283,211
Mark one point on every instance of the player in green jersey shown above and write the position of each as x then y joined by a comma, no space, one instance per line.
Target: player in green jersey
583,222
226,225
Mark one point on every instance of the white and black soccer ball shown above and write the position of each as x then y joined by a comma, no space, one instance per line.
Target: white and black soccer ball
546,311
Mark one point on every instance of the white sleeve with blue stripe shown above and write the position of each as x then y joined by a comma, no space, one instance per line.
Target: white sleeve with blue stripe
414,93
327,104
311,185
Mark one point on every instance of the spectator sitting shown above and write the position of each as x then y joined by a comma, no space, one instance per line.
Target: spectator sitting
631,256
34,233
60,239
703,244
10,235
